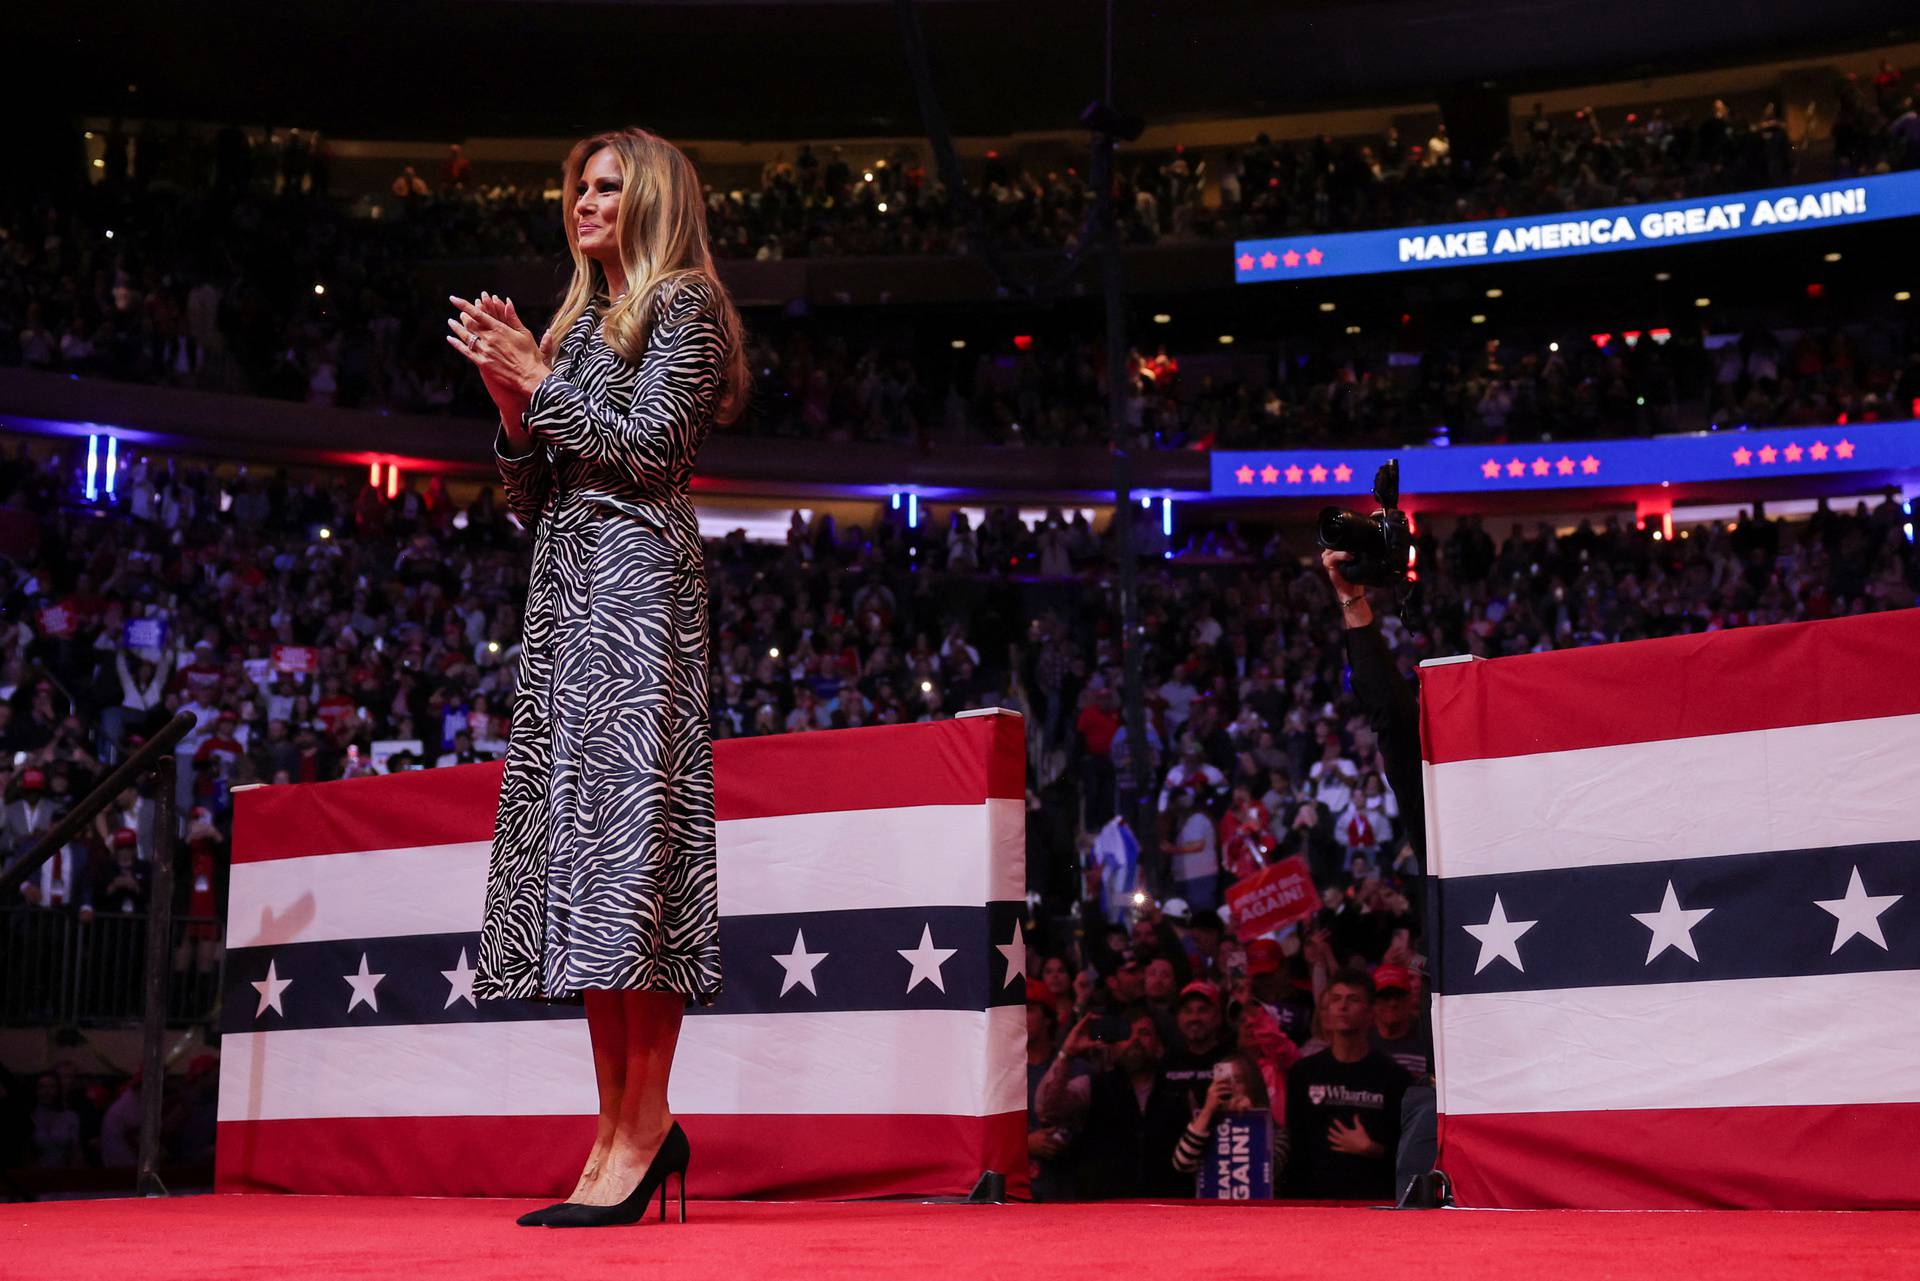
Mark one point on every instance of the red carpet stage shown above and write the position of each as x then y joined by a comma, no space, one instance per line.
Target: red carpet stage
211,1238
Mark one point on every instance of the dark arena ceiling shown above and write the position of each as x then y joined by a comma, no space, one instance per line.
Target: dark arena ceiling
833,68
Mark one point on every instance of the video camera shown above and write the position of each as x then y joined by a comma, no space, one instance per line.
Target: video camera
1381,545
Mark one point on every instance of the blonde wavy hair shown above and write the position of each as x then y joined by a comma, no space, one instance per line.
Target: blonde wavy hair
662,234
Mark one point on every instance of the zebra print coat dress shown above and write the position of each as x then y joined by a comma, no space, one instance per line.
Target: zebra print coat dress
602,870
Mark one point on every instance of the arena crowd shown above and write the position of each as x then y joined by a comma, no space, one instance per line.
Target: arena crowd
320,630
213,261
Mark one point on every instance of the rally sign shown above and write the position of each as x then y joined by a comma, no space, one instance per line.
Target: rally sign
296,658
57,620
382,750
1272,897
1238,1165
144,633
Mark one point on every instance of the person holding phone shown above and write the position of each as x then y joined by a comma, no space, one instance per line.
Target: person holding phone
1236,1086
1128,1117
602,884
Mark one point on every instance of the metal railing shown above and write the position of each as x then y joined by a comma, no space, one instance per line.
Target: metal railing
156,757
57,969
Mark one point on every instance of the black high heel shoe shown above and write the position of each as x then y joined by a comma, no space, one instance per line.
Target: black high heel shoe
672,1158
538,1218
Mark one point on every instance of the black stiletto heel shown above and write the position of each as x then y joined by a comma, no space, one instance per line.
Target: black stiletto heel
671,1159
683,1197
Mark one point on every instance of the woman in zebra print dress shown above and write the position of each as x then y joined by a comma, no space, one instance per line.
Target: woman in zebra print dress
602,885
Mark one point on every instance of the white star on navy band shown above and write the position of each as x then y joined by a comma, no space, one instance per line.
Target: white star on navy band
799,965
1499,938
460,982
271,991
1858,913
926,961
1671,927
925,973
1016,954
363,985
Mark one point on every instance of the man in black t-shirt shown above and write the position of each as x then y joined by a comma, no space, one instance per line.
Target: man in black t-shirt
1399,1030
1187,1068
1343,1104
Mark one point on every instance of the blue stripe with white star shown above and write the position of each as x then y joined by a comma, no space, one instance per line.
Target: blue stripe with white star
909,958
1741,916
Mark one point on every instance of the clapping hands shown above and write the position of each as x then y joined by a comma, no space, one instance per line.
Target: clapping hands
490,334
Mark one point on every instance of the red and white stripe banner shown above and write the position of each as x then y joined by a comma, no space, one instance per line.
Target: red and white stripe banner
1679,920
871,1039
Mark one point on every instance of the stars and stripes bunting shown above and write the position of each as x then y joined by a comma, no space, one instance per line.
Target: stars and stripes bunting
1678,891
868,1042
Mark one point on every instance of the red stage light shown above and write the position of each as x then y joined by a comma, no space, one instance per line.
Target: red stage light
1632,336
1815,289
1023,341
1600,340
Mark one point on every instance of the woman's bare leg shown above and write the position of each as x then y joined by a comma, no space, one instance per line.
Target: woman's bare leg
607,1027
653,1032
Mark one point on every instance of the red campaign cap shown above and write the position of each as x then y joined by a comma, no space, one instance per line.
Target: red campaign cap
1038,993
1200,987
33,778
1263,957
1386,976
126,836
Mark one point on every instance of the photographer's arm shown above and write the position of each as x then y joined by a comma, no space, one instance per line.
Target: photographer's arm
1388,701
